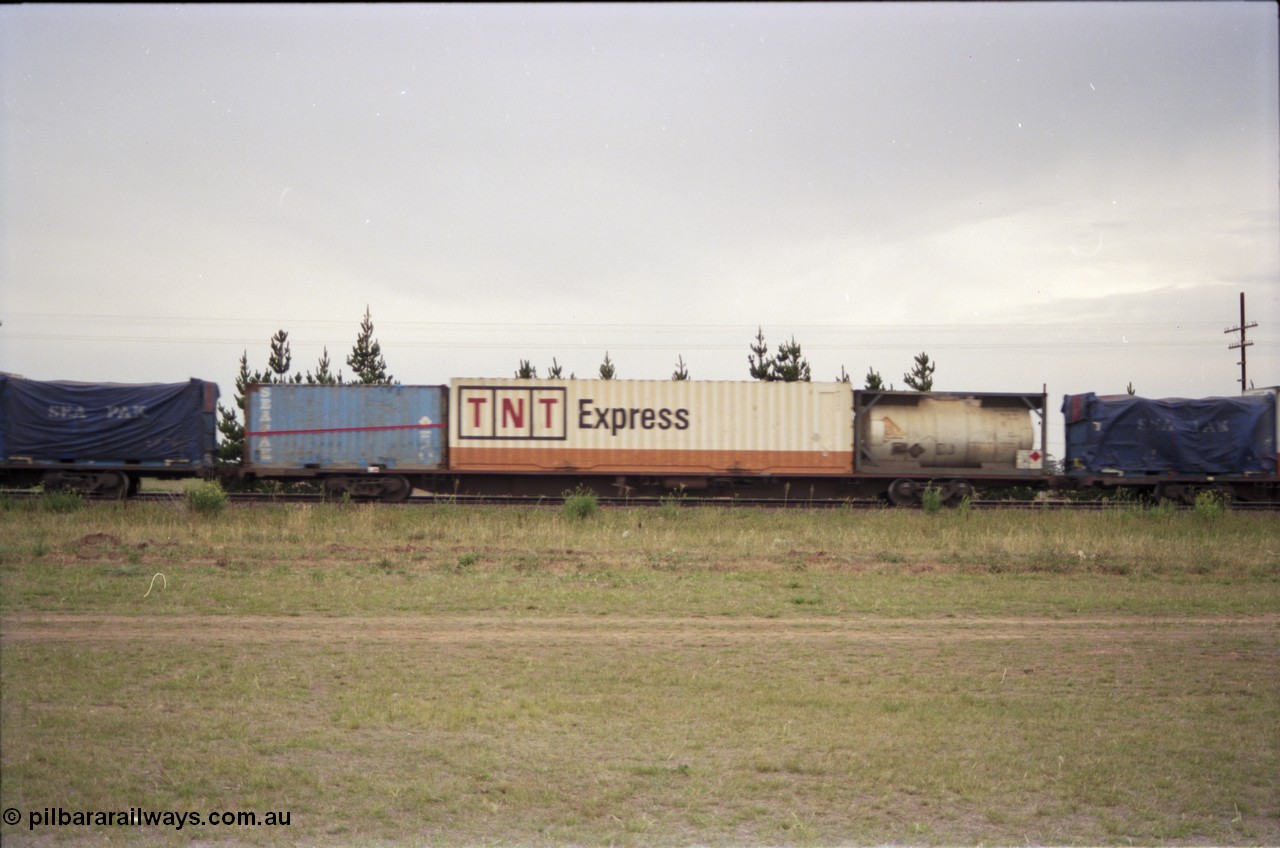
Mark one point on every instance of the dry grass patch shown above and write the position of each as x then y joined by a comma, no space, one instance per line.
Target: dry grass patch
455,677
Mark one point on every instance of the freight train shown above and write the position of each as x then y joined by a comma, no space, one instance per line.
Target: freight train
632,437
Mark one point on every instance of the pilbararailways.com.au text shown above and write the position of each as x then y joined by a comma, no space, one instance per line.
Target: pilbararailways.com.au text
138,817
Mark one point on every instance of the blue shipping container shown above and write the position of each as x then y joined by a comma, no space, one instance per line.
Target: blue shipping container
107,424
1133,435
345,428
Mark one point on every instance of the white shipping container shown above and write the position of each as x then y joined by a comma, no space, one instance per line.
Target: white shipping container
651,427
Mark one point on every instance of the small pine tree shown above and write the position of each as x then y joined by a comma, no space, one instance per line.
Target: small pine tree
280,360
526,371
844,376
920,377
1131,390
244,379
366,357
789,366
761,364
323,376
682,371
873,381
231,443
231,448
555,372
607,371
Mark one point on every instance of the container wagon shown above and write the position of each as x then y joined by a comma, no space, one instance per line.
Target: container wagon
102,438
1174,448
362,441
906,442
648,436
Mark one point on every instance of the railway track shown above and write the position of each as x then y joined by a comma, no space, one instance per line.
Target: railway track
252,499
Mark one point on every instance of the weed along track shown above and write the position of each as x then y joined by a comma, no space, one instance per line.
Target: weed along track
523,632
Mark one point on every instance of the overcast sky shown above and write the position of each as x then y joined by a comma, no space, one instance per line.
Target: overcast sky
1067,194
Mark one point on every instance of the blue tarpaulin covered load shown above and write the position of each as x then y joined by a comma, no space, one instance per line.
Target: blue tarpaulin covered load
107,423
1124,434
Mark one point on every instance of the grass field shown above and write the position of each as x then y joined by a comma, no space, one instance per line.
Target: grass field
672,676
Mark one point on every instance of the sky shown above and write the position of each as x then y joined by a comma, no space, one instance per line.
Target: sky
1062,195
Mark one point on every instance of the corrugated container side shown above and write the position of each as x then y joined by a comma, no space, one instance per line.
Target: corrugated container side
651,427
348,428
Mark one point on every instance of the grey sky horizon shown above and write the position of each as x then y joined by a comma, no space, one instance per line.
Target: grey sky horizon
1061,194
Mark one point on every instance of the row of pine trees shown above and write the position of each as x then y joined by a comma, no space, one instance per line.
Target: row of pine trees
366,363
788,365
369,368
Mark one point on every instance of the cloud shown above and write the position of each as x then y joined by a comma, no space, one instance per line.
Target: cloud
498,182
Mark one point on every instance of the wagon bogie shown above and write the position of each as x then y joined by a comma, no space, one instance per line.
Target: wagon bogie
388,488
113,485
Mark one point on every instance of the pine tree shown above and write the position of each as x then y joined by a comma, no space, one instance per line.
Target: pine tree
280,360
554,372
761,365
607,371
920,377
366,357
681,372
874,382
231,449
231,443
1131,390
789,366
844,376
526,371
323,376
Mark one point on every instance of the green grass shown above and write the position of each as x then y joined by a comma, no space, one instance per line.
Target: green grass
458,676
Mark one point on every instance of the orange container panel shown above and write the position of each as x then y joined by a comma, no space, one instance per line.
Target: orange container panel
651,427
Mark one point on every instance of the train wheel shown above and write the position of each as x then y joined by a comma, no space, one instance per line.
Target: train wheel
56,481
954,493
1223,493
395,489
112,484
904,493
335,488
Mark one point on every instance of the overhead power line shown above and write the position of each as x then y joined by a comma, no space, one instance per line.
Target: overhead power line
854,342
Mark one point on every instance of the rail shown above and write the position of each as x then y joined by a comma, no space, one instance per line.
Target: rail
251,499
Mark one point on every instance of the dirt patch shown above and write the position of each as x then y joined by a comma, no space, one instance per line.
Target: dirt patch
99,540
32,626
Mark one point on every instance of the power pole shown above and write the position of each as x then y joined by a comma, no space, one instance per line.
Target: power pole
1242,344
